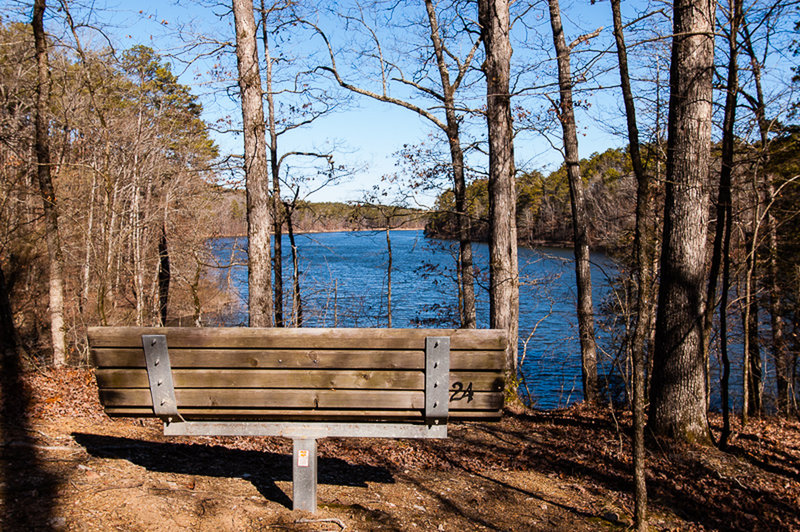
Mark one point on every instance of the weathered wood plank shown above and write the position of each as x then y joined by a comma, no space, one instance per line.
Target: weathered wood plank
307,338
308,399
297,415
258,378
133,357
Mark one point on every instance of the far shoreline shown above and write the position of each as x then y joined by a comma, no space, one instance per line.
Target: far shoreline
322,231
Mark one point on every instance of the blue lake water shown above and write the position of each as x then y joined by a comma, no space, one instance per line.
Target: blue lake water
344,280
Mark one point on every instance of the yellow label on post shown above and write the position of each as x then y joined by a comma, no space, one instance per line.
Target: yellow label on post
302,458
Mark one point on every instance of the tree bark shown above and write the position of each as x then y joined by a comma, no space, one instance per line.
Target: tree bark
46,188
644,241
259,275
583,273
277,219
678,402
493,17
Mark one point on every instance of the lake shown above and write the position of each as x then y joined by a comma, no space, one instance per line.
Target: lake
344,279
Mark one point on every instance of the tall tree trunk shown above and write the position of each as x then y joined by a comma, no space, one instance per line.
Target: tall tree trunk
259,274
678,401
465,265
783,373
388,278
42,145
493,18
297,301
644,249
583,273
722,238
277,218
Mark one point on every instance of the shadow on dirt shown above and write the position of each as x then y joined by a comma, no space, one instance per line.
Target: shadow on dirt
28,492
261,468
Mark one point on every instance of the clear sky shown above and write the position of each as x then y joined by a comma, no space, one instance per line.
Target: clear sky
366,133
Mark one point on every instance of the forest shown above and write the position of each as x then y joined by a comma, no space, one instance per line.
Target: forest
118,170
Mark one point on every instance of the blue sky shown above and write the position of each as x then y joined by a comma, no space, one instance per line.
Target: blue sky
366,133
369,133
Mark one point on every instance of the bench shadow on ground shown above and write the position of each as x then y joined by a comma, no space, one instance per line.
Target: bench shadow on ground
261,468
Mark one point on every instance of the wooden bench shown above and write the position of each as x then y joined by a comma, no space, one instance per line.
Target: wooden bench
302,384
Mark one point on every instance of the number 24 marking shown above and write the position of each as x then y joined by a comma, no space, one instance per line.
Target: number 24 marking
459,392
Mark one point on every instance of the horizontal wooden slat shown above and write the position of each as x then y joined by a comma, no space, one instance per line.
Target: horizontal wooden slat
297,358
306,338
297,415
309,399
258,378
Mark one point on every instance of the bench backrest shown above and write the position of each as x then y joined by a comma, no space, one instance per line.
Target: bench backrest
300,374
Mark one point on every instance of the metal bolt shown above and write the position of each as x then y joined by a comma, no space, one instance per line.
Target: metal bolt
163,402
435,364
436,384
436,344
153,341
156,363
160,382
435,404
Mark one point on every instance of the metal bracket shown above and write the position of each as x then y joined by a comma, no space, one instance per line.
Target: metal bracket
437,379
159,373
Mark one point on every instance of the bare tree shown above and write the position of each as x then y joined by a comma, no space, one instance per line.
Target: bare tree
678,395
583,272
56,259
493,17
643,248
255,167
451,70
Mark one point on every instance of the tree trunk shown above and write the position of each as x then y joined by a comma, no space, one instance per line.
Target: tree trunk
493,18
465,266
8,333
277,218
783,375
722,238
389,279
643,248
678,401
583,273
297,301
163,275
46,188
259,275
754,372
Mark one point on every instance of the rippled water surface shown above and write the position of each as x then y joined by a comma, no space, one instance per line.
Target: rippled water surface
344,284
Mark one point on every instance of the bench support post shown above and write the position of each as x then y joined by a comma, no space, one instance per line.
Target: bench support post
304,474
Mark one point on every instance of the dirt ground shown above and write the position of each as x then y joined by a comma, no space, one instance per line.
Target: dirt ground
67,466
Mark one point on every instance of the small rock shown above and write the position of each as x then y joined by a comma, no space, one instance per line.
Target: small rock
418,507
58,523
